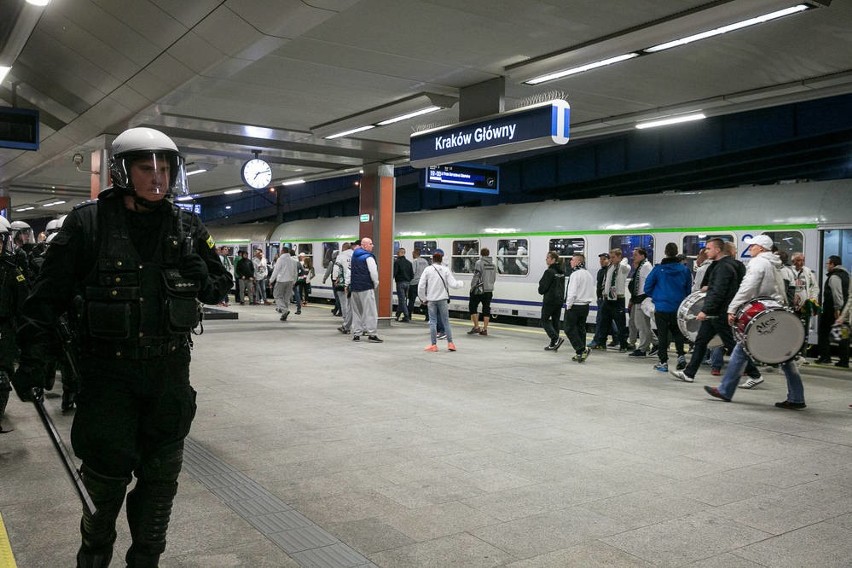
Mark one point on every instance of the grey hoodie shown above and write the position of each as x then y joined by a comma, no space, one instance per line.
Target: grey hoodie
762,278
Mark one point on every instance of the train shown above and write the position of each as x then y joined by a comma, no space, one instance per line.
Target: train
810,217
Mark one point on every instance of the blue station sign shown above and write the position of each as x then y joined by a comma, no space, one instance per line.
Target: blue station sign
528,128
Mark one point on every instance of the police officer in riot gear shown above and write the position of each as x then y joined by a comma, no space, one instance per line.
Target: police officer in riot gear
13,291
23,243
129,268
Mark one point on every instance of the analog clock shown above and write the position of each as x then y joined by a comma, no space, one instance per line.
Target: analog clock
257,173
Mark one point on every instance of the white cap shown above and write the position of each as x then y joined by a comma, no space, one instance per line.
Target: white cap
761,240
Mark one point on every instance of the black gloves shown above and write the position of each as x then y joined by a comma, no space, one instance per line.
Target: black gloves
193,267
25,379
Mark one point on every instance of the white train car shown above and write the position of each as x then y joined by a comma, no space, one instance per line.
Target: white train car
814,218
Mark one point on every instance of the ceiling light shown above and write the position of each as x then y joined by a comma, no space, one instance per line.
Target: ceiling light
422,111
665,121
233,191
51,204
580,69
728,28
185,197
192,173
227,206
348,132
38,2
293,182
4,70
396,111
22,209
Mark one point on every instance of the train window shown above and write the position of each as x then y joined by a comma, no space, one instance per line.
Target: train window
627,244
692,244
566,248
426,248
328,250
465,255
788,241
513,256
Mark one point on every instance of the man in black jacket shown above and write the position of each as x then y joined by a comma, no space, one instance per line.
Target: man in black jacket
723,279
245,273
552,288
403,273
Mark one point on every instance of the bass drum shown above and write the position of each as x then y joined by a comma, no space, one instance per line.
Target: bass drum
769,332
687,322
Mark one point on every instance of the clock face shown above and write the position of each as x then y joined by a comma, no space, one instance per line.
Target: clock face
257,173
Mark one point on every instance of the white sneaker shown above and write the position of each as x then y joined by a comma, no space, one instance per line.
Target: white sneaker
681,376
751,383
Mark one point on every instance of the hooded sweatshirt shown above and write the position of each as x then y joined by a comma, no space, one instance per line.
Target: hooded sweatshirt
762,278
668,284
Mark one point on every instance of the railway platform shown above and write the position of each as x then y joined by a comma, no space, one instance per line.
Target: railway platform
311,450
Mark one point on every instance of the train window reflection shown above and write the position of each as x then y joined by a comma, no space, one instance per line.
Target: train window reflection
566,248
465,254
692,244
328,250
788,241
426,248
628,243
513,256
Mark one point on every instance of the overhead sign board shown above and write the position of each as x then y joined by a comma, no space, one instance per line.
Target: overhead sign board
527,128
463,177
19,128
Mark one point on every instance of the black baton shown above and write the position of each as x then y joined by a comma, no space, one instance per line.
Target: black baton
67,460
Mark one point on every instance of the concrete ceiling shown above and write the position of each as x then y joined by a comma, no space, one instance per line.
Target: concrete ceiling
224,78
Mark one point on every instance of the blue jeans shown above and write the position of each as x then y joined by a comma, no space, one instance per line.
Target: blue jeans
717,357
737,364
439,310
402,299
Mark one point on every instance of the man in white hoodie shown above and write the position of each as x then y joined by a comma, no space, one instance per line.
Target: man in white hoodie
763,278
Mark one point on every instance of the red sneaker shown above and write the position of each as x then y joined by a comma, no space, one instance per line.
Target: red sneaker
432,348
451,346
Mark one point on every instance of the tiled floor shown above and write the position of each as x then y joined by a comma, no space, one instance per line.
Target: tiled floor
500,454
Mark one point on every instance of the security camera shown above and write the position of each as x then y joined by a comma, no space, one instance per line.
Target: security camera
77,159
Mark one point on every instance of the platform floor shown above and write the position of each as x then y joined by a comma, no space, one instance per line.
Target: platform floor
312,450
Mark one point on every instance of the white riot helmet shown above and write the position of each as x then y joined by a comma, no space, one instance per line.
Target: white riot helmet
5,233
137,144
22,231
54,225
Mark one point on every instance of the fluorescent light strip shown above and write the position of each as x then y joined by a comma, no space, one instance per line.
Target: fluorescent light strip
233,191
52,203
22,209
671,120
348,132
293,182
581,68
729,28
192,173
422,111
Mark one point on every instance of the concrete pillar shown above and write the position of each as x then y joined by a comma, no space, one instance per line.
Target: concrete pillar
99,179
377,208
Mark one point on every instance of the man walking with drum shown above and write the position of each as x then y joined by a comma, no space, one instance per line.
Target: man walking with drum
762,279
723,279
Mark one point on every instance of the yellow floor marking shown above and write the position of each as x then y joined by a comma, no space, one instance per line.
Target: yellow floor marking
7,559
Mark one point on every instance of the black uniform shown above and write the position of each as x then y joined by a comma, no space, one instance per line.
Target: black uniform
13,291
129,282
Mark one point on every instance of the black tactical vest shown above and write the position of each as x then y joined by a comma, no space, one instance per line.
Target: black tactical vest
129,308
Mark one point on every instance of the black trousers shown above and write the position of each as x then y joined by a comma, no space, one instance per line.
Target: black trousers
667,330
550,321
826,320
575,326
710,328
613,311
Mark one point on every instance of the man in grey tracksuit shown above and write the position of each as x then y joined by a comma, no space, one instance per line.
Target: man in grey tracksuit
283,279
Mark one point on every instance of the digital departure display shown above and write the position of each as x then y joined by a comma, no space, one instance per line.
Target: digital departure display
19,128
463,177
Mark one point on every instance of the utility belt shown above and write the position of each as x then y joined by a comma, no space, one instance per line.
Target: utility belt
145,348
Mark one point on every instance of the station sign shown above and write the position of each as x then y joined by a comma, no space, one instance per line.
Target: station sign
477,178
528,128
19,128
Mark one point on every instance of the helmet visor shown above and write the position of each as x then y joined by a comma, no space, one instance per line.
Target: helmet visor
155,173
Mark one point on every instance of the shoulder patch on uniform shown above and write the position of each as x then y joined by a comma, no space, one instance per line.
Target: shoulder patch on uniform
20,278
210,242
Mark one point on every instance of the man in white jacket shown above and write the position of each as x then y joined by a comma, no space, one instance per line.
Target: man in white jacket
763,278
283,279
579,295
434,291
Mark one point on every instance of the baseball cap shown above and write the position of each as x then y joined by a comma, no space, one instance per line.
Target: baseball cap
604,255
762,240
438,251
